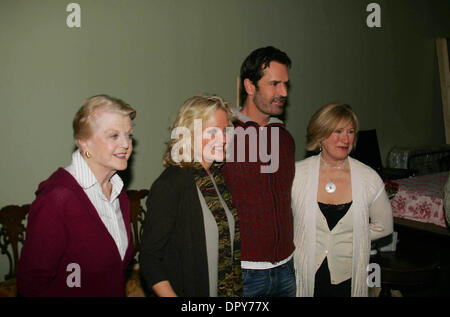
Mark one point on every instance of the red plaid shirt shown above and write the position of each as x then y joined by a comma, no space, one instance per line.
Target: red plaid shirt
263,200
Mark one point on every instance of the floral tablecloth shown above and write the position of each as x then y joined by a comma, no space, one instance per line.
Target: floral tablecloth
421,198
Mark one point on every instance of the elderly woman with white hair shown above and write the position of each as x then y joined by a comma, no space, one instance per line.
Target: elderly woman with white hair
339,206
191,242
78,240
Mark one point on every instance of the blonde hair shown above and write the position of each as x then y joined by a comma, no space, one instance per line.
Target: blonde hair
197,107
83,120
326,120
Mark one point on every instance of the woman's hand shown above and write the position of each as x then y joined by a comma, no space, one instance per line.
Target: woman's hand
164,289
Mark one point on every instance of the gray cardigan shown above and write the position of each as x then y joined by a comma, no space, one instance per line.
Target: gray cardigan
173,244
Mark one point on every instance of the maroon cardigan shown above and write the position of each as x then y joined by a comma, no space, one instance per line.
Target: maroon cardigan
63,228
263,200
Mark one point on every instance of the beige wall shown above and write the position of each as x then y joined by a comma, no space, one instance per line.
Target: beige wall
156,53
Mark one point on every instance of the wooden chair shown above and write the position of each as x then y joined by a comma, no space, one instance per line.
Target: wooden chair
12,232
137,216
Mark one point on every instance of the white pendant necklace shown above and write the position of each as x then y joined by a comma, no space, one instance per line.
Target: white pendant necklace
330,187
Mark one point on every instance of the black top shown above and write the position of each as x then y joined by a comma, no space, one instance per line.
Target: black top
334,213
173,243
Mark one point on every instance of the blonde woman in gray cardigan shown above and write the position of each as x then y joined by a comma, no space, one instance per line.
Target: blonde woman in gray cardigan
340,206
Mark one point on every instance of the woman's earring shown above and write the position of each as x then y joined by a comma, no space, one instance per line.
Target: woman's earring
88,155
320,147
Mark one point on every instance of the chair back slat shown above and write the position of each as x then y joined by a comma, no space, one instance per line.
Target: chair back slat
137,215
12,232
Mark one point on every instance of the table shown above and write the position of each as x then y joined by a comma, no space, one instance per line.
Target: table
421,198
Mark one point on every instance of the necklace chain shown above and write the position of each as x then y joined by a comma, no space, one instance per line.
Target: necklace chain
339,166
330,187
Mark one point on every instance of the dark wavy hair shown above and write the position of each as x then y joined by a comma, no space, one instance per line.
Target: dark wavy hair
258,60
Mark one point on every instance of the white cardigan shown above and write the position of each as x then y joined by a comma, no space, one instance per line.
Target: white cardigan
369,201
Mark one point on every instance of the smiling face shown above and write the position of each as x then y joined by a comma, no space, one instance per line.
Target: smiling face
110,144
339,144
269,95
214,138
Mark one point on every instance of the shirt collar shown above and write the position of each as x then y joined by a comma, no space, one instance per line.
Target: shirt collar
84,176
242,117
117,185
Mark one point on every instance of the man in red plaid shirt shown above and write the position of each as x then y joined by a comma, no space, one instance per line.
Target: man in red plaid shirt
259,176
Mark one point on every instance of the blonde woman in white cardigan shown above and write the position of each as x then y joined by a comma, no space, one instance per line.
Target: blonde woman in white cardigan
340,206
